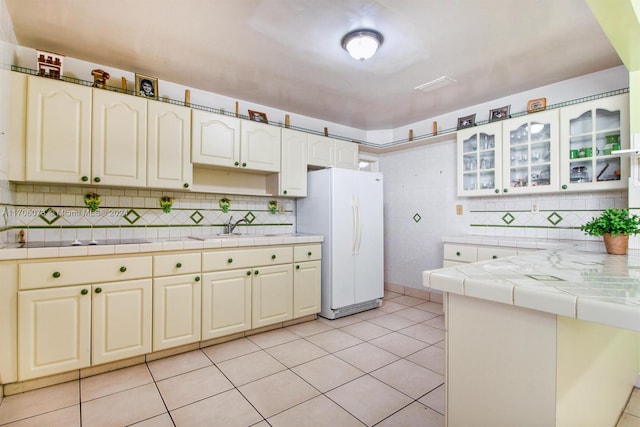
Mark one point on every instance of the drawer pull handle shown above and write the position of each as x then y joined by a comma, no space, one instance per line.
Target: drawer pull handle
123,269
248,273
56,274
98,290
230,260
297,267
197,279
309,253
458,253
179,265
273,256
256,272
495,257
84,292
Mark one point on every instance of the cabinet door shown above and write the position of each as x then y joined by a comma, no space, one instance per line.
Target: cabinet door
119,142
346,154
58,131
54,331
479,160
530,153
215,139
293,172
121,314
226,303
260,146
322,151
176,311
306,288
169,146
272,295
588,132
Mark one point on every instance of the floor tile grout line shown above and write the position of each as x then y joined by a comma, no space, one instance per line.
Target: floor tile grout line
155,383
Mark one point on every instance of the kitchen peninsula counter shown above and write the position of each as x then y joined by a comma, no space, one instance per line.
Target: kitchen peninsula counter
548,338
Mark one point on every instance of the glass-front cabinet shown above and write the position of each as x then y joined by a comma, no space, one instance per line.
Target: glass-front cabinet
591,132
530,153
479,160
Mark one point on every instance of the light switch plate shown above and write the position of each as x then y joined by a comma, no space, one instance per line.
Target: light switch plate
459,209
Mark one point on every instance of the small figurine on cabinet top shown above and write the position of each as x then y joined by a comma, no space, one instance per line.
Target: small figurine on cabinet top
100,78
49,64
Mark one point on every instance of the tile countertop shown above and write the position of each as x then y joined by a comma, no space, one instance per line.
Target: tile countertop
577,281
512,242
14,251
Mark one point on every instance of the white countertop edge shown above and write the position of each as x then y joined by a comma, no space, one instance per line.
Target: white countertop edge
607,313
548,300
511,242
489,290
155,245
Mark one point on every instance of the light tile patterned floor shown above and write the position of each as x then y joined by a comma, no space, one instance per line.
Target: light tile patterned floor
382,367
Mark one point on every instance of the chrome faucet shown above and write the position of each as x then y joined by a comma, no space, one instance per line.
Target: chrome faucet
232,226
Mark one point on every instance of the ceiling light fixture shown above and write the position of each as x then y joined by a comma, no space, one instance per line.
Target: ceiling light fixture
362,44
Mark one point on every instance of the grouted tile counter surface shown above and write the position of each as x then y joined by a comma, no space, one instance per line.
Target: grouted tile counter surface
66,249
578,280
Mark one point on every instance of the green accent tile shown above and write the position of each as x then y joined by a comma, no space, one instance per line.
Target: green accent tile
131,216
196,217
508,218
554,218
545,278
250,217
417,218
49,216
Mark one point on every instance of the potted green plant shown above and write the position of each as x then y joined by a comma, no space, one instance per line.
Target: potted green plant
615,226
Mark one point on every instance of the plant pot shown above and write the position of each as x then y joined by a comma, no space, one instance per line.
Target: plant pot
616,245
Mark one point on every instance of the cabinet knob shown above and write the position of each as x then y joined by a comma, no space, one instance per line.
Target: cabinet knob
248,273
457,253
309,253
244,165
230,260
123,269
273,256
495,257
297,267
84,292
256,272
85,178
179,265
56,274
96,179
284,192
185,185
506,190
564,186
496,191
236,163
98,290
197,279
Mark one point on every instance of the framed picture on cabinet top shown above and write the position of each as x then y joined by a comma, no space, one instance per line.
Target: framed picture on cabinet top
258,116
536,105
466,121
146,86
499,113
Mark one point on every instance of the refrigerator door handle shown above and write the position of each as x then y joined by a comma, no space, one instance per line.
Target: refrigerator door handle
358,227
354,217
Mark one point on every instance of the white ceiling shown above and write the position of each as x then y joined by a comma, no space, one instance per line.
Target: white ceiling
286,54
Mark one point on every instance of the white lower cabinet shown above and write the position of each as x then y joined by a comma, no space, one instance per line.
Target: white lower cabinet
272,295
65,328
307,275
176,311
455,253
226,303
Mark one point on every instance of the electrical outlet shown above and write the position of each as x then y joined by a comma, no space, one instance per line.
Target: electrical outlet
281,208
459,209
535,208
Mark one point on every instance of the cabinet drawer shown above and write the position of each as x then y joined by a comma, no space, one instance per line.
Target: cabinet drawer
63,273
485,253
460,253
307,252
242,258
169,265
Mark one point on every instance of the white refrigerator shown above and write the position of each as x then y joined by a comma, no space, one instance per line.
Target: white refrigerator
346,207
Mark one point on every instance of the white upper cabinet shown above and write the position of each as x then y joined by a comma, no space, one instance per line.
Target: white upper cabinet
260,146
590,131
346,154
480,160
292,179
215,139
58,131
119,140
168,146
327,152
